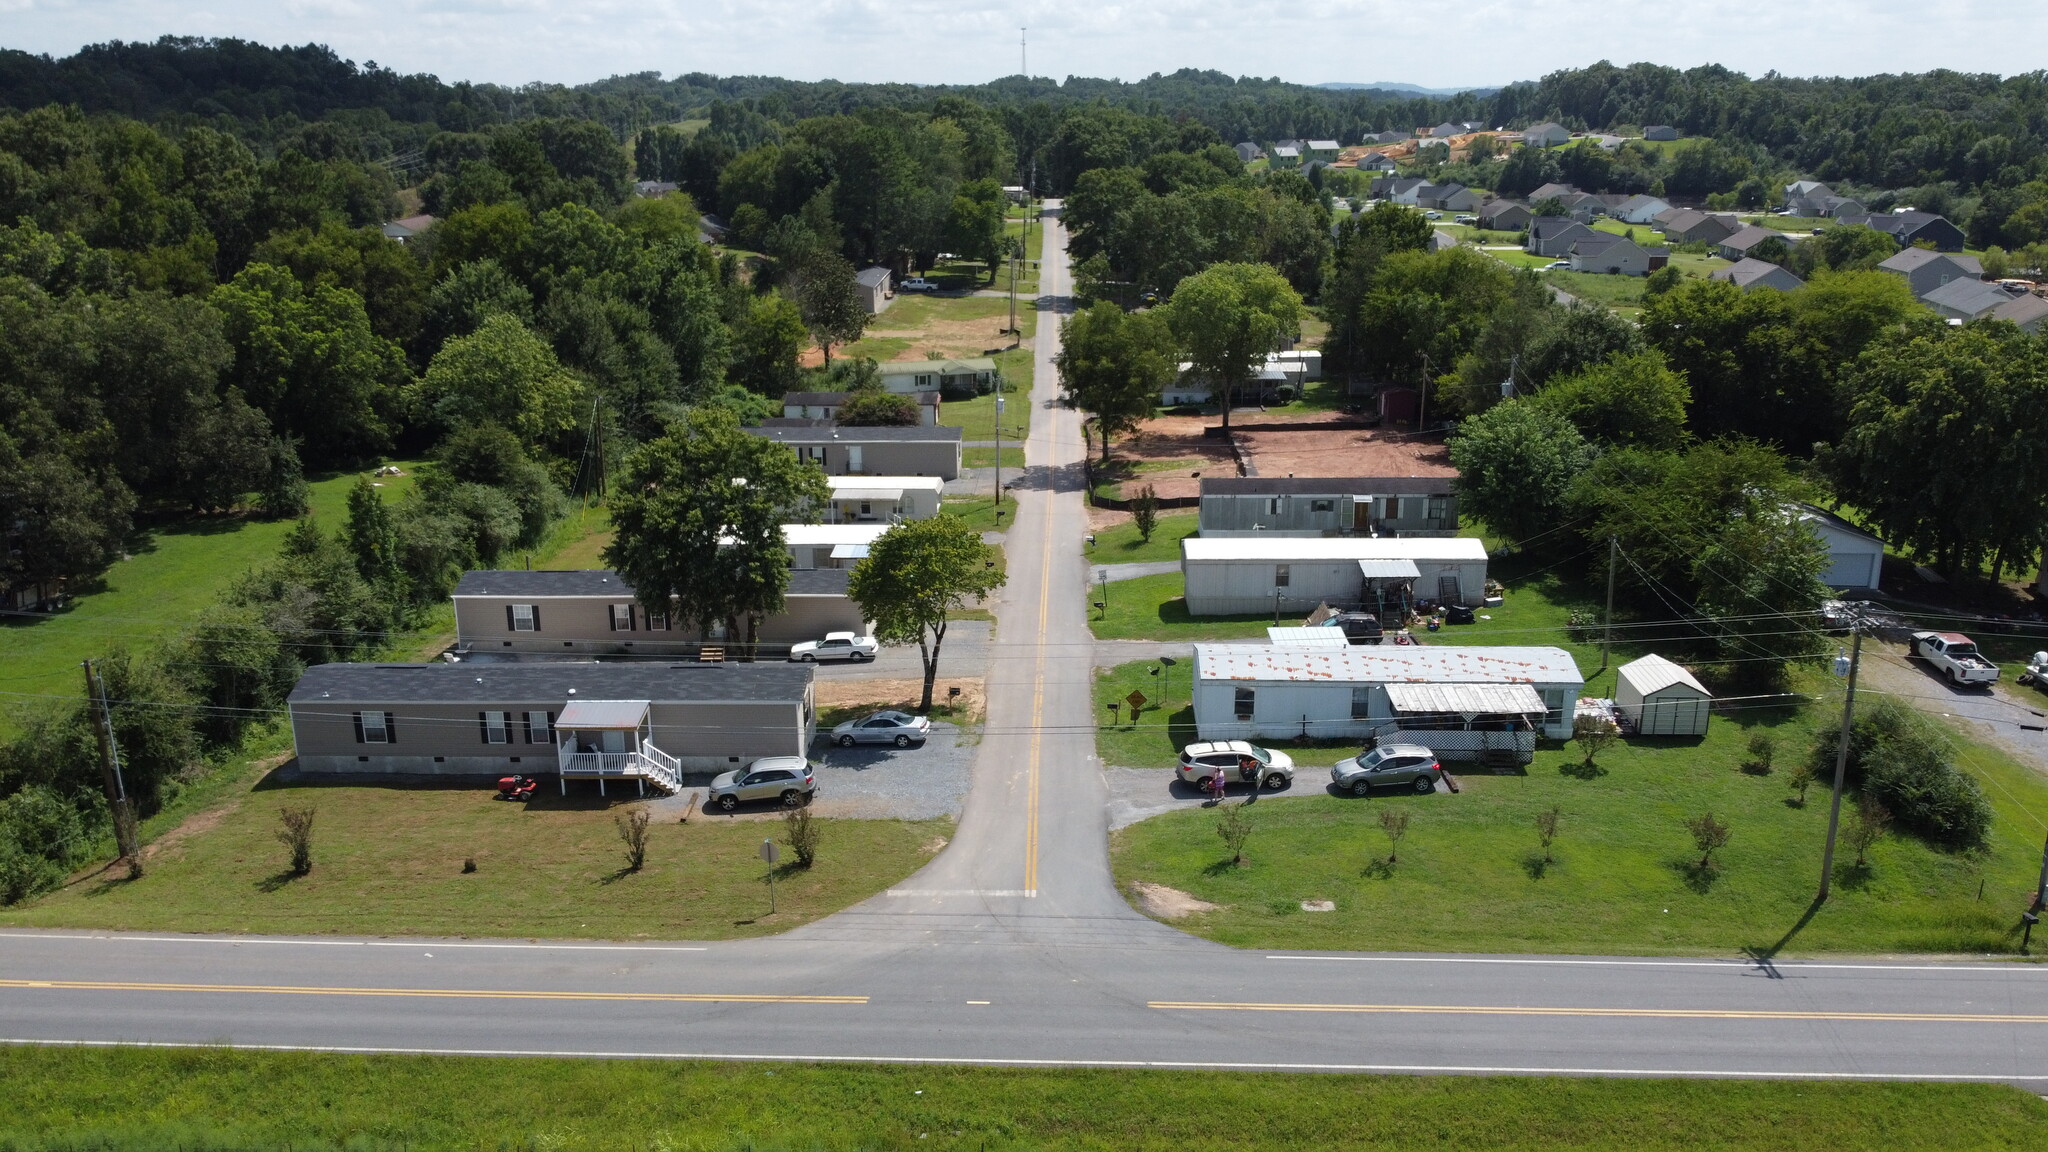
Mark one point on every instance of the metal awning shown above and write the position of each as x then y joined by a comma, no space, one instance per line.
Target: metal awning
1466,699
868,494
600,714
1389,570
1308,637
849,551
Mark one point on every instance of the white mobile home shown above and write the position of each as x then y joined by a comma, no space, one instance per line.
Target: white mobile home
1461,702
1290,575
1661,698
882,499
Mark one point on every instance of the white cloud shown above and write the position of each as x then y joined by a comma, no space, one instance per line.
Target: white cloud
965,41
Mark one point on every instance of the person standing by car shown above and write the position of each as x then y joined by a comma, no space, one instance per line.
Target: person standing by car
1218,784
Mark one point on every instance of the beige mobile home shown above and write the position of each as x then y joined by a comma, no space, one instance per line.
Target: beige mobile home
1291,575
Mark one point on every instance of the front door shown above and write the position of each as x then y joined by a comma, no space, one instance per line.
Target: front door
613,741
1361,515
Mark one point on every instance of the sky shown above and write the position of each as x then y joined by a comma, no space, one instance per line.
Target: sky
970,41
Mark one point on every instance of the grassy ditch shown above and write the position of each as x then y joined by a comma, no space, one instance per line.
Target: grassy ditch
389,861
227,1101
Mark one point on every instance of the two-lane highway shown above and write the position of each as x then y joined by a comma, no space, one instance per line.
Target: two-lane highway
1013,946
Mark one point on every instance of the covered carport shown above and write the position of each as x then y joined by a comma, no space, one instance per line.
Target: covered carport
1467,721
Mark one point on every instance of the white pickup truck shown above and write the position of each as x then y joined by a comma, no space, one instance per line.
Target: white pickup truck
1955,656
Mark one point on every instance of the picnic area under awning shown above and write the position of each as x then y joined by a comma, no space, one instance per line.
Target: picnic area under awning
1466,699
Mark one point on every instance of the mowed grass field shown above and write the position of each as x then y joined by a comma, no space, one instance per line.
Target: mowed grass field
174,571
388,861
1624,876
223,1100
1121,543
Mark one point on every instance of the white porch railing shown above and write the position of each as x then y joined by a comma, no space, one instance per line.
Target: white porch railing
1460,744
647,764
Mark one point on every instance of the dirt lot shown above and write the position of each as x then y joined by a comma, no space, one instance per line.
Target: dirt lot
1324,452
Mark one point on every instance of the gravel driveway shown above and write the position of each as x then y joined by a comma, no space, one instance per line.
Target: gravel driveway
2008,715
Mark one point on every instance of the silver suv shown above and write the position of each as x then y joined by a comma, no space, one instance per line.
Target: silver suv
1240,760
785,778
1389,766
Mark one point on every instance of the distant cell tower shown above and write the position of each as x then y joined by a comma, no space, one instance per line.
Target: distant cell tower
1024,52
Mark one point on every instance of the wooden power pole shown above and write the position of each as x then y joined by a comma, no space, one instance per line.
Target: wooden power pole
110,770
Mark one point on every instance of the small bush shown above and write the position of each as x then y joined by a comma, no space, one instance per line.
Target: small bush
632,826
1763,750
802,833
1235,827
1709,836
297,837
1546,828
1900,760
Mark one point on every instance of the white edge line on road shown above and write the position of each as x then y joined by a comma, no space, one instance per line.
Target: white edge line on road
1731,965
1014,1062
420,944
1024,892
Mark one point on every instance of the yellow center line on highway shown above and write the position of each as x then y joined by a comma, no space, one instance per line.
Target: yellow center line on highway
435,993
1626,1013
1038,676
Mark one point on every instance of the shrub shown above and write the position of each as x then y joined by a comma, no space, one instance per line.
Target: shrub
632,826
1763,749
297,836
1900,760
802,833
1709,836
1235,827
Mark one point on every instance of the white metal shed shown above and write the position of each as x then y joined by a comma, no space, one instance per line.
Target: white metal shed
1661,698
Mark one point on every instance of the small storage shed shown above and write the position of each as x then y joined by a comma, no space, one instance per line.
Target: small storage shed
1662,699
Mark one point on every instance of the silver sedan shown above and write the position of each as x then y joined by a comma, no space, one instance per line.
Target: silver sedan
898,728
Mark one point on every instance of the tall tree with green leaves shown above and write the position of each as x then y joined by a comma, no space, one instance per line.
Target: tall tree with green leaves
1113,364
1227,317
503,374
823,286
1516,462
916,576
371,534
699,515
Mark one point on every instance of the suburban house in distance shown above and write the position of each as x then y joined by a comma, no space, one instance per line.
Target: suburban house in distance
1321,506
593,612
635,722
2027,311
830,546
882,499
1748,274
1737,245
1855,557
406,227
1248,152
1285,156
1639,210
1925,270
1971,299
1660,132
1464,703
1389,137
972,376
876,286
1376,162
1545,135
1687,225
1607,253
1505,216
1910,228
1553,236
1241,575
918,451
1320,152
826,405
1450,198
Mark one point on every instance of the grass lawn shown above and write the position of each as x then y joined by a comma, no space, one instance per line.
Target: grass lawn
986,457
1153,608
980,512
1520,259
1698,263
1317,396
976,418
1471,876
1621,293
173,573
388,861
1120,544
231,1100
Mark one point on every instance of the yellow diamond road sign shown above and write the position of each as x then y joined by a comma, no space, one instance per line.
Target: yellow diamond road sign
1135,699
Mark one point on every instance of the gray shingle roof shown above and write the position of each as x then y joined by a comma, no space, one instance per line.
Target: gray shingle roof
606,582
508,683
872,277
829,433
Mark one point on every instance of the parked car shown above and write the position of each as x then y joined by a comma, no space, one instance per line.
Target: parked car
1466,220
1240,760
1434,215
917,284
1358,627
1558,266
898,728
835,646
1389,766
788,779
2037,670
1955,656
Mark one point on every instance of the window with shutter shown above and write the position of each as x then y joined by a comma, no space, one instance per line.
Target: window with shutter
496,727
540,728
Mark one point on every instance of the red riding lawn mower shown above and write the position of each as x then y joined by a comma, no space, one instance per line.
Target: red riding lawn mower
517,787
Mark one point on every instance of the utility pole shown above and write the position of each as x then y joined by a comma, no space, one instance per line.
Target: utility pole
1827,860
110,769
2041,887
999,451
1422,403
1024,52
1607,641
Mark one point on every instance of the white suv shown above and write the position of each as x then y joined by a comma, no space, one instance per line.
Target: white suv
1240,760
835,646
